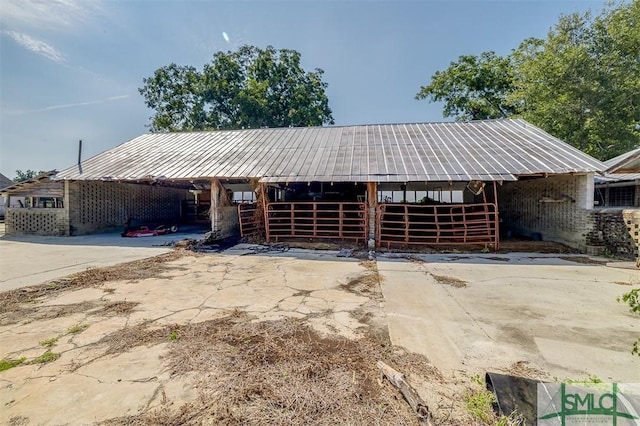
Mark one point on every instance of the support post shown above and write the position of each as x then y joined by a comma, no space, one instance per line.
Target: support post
262,207
496,216
372,204
219,200
66,205
214,210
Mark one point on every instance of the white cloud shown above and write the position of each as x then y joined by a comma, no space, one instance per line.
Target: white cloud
73,105
47,14
37,46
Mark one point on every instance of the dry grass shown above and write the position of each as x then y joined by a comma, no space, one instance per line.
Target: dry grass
116,308
32,312
18,304
523,369
277,373
452,281
367,284
584,260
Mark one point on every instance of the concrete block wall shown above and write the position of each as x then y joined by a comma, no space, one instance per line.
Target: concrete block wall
556,207
225,223
37,221
616,232
97,206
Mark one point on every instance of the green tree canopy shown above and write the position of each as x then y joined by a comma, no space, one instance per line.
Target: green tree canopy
473,88
26,175
247,88
581,83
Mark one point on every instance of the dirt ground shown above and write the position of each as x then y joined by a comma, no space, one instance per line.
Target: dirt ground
239,337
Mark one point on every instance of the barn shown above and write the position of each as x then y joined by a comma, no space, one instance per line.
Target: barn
382,185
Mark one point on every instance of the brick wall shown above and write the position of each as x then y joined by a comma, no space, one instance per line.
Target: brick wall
35,221
97,206
225,223
616,231
556,207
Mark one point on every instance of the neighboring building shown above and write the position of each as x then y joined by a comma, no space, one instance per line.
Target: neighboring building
620,185
4,182
396,185
617,200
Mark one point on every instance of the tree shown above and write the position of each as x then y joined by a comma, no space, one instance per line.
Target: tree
473,88
581,83
248,88
29,174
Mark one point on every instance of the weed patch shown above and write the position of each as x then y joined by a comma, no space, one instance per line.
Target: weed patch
49,342
6,364
480,404
46,357
78,328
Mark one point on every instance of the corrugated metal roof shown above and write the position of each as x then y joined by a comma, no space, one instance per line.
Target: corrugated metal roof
479,150
629,159
5,181
30,182
617,177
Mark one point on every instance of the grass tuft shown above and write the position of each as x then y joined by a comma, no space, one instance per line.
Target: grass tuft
6,364
78,328
46,357
49,342
480,404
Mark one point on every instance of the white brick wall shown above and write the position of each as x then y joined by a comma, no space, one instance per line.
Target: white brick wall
557,207
95,206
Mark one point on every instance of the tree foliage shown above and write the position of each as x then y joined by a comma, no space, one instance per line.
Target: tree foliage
473,88
581,83
247,88
26,175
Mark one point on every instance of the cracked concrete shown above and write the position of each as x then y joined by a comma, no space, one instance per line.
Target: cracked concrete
559,315
86,385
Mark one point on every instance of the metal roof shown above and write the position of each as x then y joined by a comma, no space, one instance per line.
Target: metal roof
628,159
5,181
492,150
25,184
617,177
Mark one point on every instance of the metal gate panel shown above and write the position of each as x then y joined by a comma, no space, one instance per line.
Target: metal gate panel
317,220
405,225
251,220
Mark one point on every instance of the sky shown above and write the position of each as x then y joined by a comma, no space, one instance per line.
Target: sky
71,69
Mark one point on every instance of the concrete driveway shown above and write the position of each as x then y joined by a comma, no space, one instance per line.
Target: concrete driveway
490,312
91,383
32,260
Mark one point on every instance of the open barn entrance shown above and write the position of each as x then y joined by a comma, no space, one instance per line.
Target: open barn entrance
403,215
307,211
413,215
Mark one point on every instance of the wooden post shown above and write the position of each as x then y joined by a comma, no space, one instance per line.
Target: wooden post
410,395
262,200
66,205
372,203
214,210
496,217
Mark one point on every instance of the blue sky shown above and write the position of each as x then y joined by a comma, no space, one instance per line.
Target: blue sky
70,69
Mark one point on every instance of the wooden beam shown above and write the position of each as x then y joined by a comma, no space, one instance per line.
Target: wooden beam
410,395
372,204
